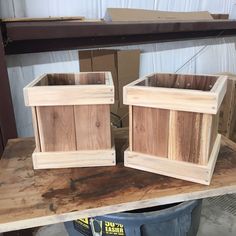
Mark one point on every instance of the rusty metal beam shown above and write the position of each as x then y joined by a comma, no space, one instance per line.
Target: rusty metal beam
26,37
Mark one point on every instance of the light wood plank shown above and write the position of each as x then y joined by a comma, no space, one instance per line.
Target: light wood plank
50,160
56,128
227,109
206,138
55,196
173,99
214,130
93,128
213,157
131,127
36,129
69,95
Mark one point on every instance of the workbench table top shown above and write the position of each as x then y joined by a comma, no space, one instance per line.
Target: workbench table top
30,198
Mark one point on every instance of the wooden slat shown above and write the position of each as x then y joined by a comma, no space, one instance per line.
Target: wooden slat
36,129
189,137
56,128
150,131
214,129
208,136
131,127
88,158
227,111
31,198
173,99
65,95
92,124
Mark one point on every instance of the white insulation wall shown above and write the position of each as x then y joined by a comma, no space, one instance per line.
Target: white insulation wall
203,56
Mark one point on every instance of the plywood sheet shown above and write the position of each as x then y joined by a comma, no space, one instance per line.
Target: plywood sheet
31,198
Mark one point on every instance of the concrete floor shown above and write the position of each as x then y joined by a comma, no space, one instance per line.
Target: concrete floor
218,218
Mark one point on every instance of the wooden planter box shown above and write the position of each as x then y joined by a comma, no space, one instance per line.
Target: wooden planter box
71,119
174,124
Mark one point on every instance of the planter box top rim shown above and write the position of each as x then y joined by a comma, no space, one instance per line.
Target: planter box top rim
170,91
70,89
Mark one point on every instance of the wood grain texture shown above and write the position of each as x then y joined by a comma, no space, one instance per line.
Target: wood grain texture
177,169
189,137
56,128
36,129
150,131
172,99
131,127
57,89
65,95
214,130
31,198
203,94
192,82
227,115
93,128
88,158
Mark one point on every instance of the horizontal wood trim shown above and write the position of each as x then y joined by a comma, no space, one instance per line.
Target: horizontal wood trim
49,160
173,99
69,95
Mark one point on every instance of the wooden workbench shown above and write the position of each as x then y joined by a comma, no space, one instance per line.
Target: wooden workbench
31,198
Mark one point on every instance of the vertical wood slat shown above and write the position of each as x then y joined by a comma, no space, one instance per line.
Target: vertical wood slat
130,128
214,130
56,128
190,136
92,125
36,130
206,139
150,131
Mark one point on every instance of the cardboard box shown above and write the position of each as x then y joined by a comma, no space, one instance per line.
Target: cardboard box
124,66
126,14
